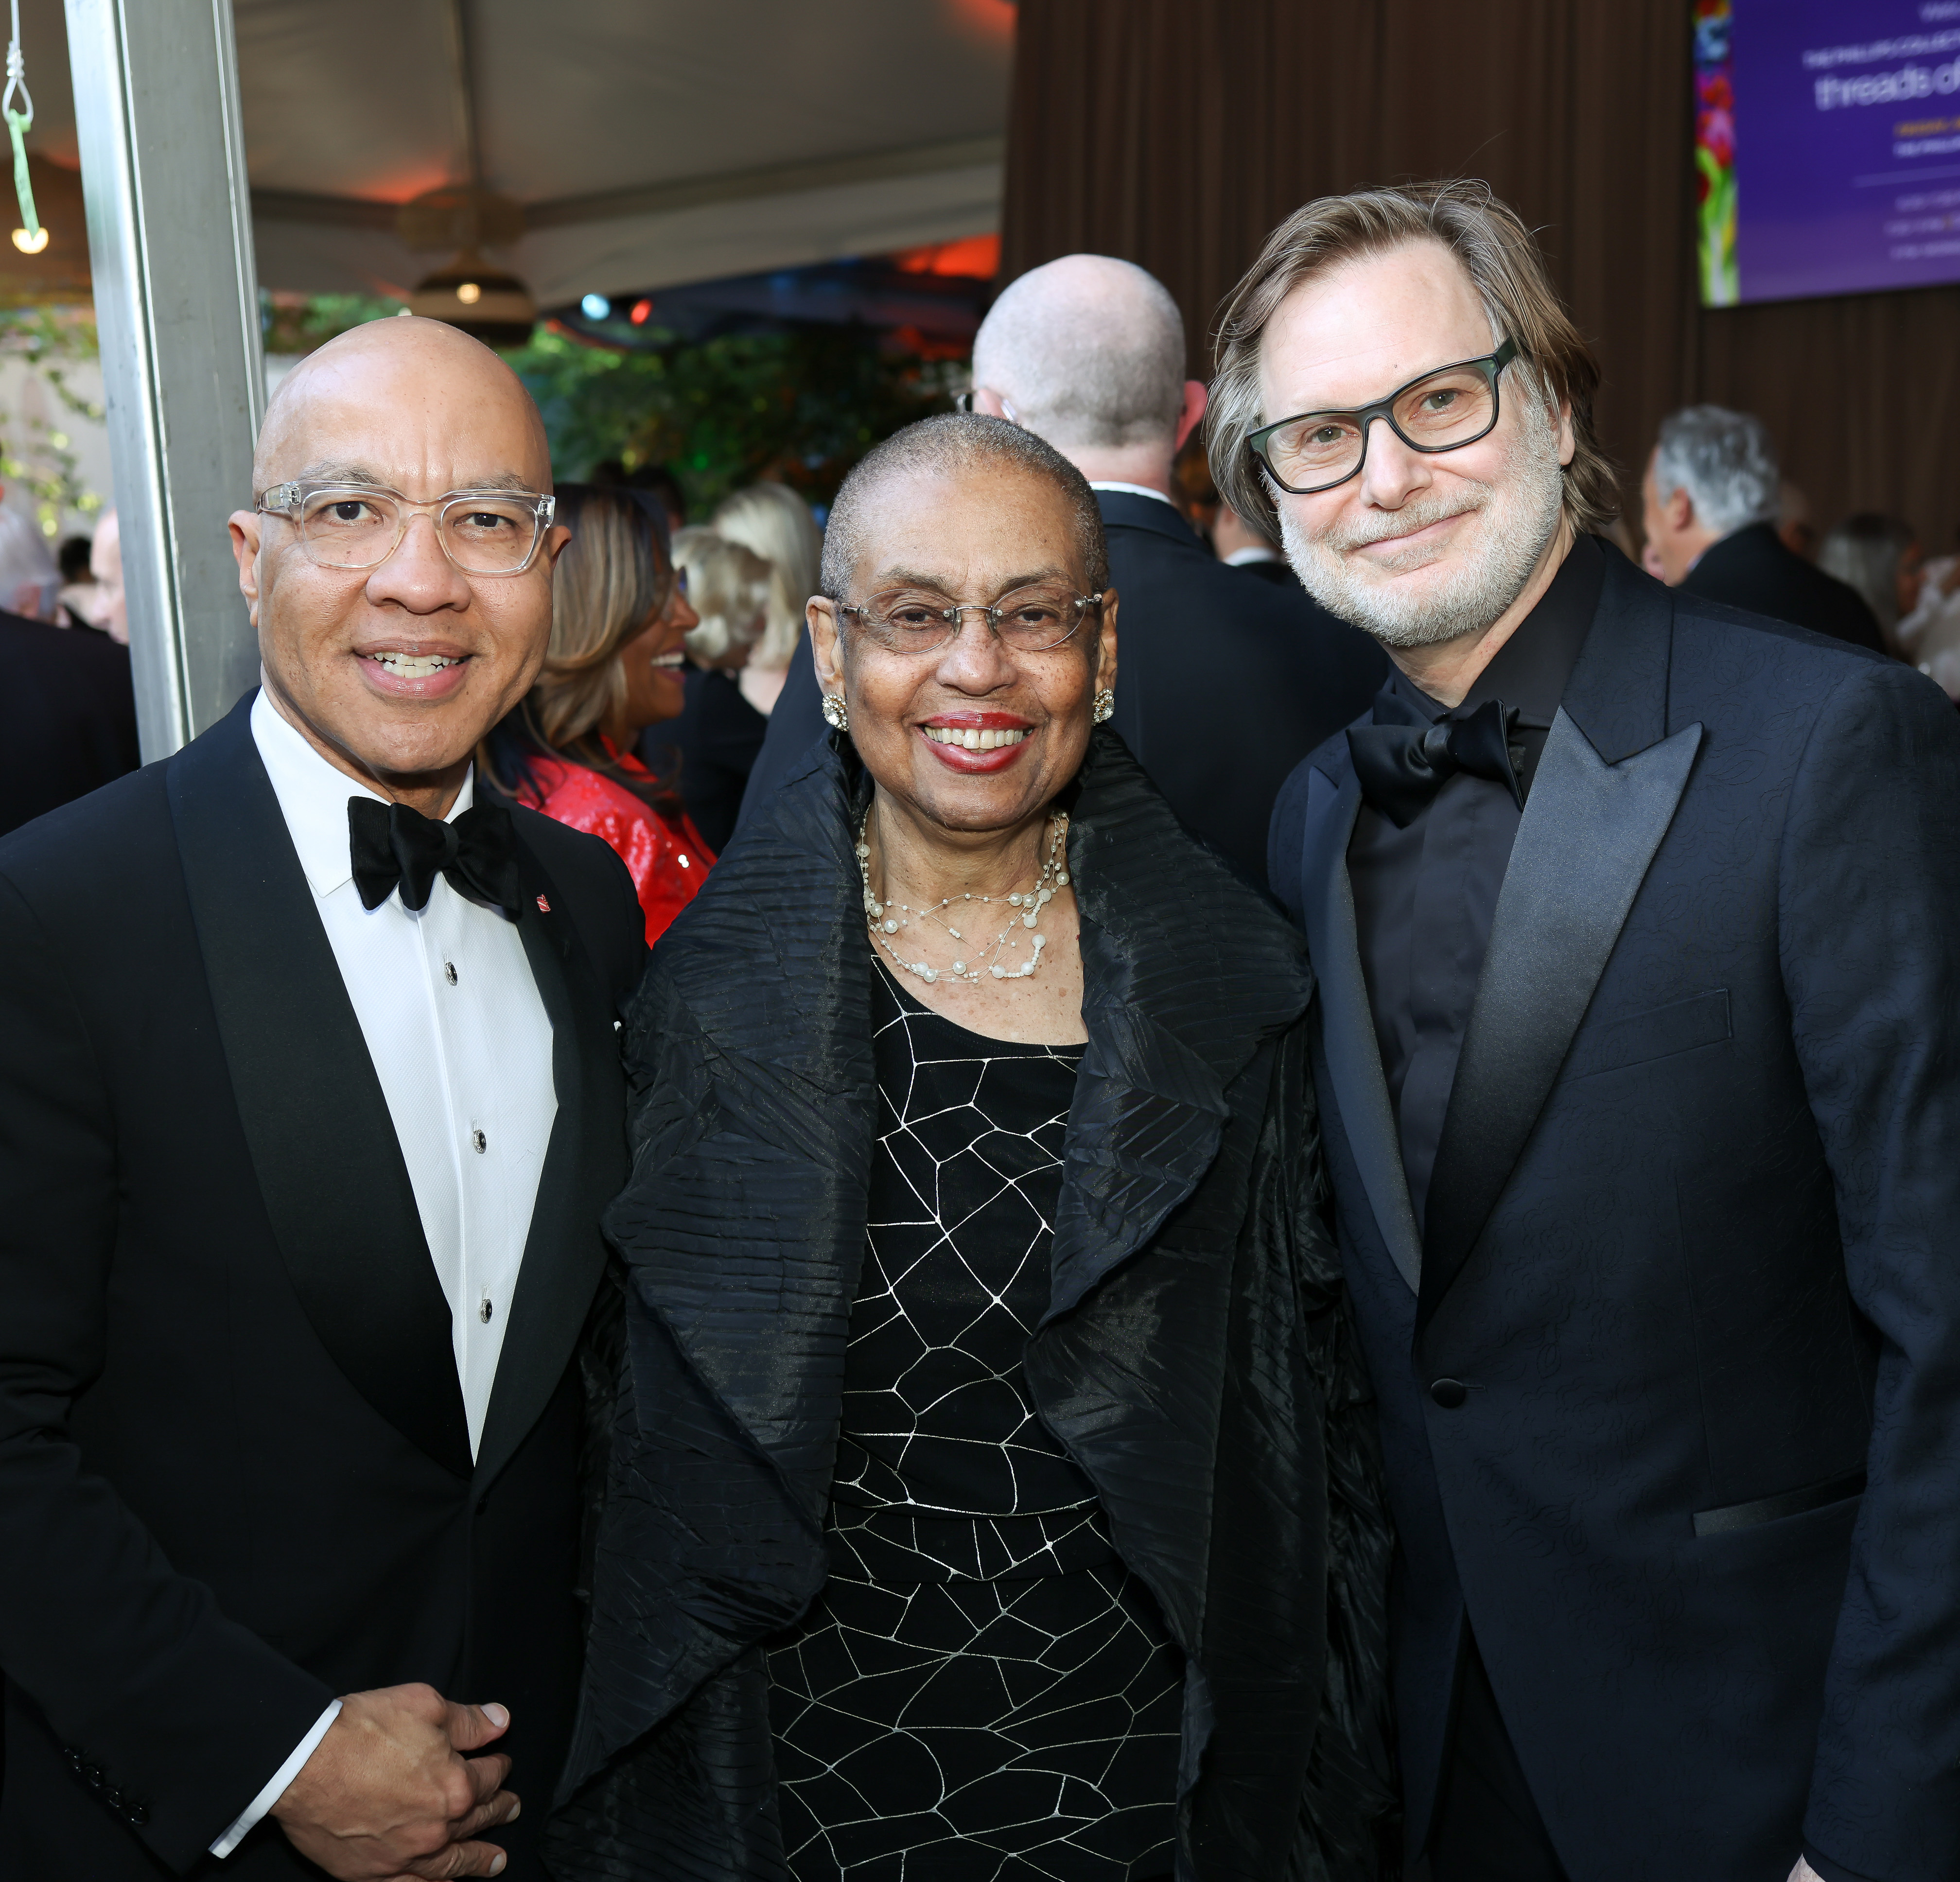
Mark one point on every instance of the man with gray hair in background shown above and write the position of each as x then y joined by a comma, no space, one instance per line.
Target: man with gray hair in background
1229,680
1710,502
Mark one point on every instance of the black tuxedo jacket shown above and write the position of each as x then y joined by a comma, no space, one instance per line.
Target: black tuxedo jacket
68,716
1225,681
1752,569
235,1477
1670,1377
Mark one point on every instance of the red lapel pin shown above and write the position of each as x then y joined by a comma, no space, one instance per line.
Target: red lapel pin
544,906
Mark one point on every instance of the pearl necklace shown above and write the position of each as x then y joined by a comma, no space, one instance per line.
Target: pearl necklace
887,919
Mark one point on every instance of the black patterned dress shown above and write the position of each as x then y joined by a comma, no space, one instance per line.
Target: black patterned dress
983,1693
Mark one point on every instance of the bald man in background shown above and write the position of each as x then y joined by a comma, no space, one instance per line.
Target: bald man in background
309,1103
1229,679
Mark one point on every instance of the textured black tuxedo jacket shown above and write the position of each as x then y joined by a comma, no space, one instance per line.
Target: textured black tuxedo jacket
1691,1251
1225,681
235,1477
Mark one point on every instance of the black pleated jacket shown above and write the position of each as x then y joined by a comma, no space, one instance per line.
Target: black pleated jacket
1197,1360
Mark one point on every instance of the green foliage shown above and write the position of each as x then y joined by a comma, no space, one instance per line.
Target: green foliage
297,323
802,406
33,454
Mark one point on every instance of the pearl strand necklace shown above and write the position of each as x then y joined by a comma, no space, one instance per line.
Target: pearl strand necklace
884,923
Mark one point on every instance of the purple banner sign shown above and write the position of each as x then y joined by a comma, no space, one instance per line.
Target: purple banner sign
1846,145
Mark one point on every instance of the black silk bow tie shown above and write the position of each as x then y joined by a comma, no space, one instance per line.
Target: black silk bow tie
393,845
1401,767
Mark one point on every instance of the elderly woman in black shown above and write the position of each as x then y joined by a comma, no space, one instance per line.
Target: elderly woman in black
992,1493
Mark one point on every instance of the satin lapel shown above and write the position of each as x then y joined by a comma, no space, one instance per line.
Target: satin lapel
1588,832
329,1168
1160,963
585,1163
1348,1024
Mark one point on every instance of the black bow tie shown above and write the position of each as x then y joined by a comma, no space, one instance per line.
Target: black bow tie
1401,767
394,845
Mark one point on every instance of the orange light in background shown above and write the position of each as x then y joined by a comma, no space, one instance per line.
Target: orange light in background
642,310
986,19
973,258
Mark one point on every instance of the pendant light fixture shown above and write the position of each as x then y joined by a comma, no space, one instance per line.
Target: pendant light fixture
483,298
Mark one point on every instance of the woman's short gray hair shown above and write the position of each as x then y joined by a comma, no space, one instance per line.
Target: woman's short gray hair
1726,462
947,445
1496,250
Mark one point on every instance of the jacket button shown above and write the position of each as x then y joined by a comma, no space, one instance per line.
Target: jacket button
139,1815
1449,1393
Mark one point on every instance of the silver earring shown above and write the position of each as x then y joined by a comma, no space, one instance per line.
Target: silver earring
1105,705
836,714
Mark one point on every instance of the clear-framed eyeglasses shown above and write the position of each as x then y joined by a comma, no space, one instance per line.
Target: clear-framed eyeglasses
360,526
1441,411
915,620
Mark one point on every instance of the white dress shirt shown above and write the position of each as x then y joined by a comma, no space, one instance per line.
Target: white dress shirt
1252,552
461,1045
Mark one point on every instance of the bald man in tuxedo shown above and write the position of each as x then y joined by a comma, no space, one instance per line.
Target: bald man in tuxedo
309,1102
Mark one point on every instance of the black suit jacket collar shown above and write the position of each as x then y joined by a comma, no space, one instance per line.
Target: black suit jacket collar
329,1168
1740,552
1123,510
1607,787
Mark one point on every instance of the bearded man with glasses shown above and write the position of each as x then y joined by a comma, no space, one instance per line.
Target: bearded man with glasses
1635,920
310,1100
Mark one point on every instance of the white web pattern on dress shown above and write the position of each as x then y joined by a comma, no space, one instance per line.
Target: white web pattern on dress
883,1283
1066,1698
1059,1823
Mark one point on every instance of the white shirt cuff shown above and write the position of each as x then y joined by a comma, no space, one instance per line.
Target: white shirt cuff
275,1789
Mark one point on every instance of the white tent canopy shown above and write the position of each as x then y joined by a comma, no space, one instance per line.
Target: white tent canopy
650,142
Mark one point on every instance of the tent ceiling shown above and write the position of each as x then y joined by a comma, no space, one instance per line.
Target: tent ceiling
651,141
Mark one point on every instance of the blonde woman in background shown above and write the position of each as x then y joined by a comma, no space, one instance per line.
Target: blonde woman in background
710,748
620,618
776,523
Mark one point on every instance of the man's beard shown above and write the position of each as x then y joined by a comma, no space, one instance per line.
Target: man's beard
1479,580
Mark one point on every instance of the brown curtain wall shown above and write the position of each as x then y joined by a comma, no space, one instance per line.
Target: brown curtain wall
1176,134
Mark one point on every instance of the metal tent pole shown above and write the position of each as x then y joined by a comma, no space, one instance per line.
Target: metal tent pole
177,306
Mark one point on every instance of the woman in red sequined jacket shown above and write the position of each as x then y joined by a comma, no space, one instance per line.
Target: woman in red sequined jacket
619,616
